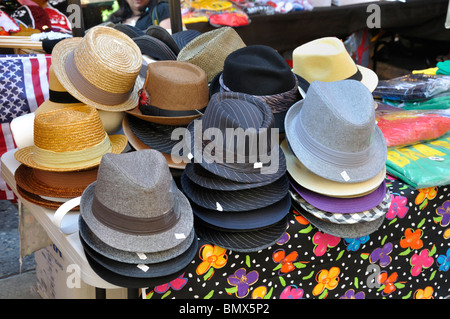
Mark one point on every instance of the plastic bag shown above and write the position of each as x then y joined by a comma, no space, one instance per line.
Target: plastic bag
412,87
421,165
217,12
401,128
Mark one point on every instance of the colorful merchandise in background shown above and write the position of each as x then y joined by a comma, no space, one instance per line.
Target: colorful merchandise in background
407,258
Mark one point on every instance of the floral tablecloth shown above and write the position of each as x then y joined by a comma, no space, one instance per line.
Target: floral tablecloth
408,257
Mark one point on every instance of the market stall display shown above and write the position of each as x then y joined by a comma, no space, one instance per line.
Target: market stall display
315,213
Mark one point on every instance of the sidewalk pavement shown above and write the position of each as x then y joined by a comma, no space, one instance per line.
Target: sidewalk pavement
16,281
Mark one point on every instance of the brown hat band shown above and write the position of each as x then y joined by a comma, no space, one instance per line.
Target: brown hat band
89,90
134,225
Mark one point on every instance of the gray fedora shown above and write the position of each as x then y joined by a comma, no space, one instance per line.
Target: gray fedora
334,134
135,204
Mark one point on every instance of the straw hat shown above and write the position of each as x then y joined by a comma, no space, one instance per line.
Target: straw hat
58,95
69,139
174,93
326,60
210,49
101,69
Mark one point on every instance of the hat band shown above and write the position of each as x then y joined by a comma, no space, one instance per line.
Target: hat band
357,76
151,110
134,225
279,102
328,155
90,91
62,97
70,159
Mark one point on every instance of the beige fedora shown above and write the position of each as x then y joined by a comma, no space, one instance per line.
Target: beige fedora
69,139
100,69
326,60
210,49
174,93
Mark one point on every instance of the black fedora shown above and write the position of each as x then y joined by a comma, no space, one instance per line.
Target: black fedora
245,220
162,34
154,48
261,71
248,150
242,241
236,201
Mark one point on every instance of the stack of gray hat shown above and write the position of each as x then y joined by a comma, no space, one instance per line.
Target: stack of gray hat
239,193
135,225
336,159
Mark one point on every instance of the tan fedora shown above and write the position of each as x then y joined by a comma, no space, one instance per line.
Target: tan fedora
327,60
69,139
100,69
210,49
174,93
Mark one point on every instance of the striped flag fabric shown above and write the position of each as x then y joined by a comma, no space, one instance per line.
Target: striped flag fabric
23,87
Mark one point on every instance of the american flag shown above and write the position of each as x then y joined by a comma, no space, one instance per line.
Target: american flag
23,87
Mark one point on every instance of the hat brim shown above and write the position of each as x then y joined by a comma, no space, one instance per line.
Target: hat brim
144,243
59,56
40,201
316,183
27,180
230,173
153,270
369,78
342,205
205,178
345,218
25,156
245,220
131,257
242,241
368,170
165,120
341,230
235,201
176,162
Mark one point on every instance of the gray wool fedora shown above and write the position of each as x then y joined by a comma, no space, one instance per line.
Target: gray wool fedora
135,204
334,134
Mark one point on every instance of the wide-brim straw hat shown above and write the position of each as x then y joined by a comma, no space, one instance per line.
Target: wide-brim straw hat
47,202
210,49
326,59
69,139
316,183
100,69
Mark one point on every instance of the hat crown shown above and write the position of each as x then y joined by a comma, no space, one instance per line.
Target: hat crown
68,129
136,184
108,59
234,113
339,115
177,85
257,70
210,49
324,59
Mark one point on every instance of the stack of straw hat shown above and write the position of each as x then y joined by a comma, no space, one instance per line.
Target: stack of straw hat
135,225
336,157
68,144
238,189
174,94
